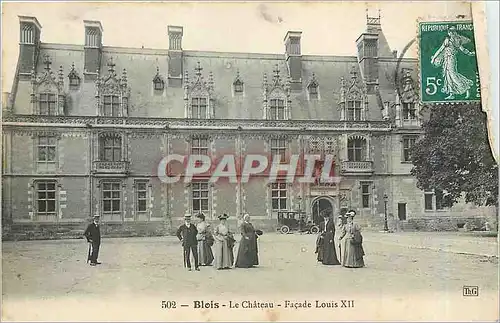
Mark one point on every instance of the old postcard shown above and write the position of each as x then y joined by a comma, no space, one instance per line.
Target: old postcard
235,161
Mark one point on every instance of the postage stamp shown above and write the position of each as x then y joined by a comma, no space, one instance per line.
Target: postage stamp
448,62
239,161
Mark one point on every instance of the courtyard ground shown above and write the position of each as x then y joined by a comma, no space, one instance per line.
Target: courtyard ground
407,276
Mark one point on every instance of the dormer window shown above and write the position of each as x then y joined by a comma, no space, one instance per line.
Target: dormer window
354,110
199,96
312,88
158,83
48,104
238,87
409,111
238,84
74,79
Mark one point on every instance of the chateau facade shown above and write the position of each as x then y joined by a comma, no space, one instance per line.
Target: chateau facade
85,128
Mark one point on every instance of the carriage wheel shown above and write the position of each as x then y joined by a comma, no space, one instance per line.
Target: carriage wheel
284,229
314,229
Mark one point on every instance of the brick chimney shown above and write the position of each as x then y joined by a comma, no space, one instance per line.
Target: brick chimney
368,47
92,48
293,58
29,45
175,71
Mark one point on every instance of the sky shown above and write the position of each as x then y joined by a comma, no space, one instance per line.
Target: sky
328,28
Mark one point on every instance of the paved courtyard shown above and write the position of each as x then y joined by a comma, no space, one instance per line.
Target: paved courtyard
401,267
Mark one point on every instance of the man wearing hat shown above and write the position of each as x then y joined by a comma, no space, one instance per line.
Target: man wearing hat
187,235
93,235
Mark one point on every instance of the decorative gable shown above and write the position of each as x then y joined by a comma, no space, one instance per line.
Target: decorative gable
47,91
353,100
74,78
277,101
112,93
199,96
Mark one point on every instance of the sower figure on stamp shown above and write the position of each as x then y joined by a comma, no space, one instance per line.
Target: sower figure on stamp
93,235
326,245
187,235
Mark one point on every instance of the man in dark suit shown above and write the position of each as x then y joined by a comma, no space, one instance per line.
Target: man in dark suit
93,235
327,253
187,235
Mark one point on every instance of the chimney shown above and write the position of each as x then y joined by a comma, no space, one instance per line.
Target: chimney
92,49
368,53
29,45
175,72
293,58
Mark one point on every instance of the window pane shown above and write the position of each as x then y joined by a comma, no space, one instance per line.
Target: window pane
274,193
366,200
141,186
51,195
117,155
51,206
141,206
106,186
281,114
428,201
116,205
275,204
42,206
196,194
196,205
282,204
365,188
42,195
141,195
51,186
106,206
115,195
116,186
282,186
51,154
204,204
42,153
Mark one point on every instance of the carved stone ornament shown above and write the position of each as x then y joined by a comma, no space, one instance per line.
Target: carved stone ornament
198,88
47,88
113,85
276,90
407,86
322,145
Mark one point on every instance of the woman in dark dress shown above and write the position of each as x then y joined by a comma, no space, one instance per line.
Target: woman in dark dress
205,241
247,251
325,248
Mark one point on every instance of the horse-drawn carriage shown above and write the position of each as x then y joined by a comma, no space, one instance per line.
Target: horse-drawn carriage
289,221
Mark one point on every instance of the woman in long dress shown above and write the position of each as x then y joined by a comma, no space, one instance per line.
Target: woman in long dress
205,241
247,250
352,243
223,248
445,57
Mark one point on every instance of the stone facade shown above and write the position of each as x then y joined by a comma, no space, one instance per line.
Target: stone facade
85,130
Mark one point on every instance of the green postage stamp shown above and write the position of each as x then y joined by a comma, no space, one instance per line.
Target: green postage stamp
448,63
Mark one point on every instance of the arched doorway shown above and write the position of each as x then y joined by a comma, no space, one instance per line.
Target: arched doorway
318,206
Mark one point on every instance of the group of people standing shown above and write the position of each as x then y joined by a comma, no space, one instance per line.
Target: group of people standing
343,236
198,240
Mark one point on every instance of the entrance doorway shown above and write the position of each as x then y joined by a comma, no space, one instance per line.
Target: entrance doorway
319,205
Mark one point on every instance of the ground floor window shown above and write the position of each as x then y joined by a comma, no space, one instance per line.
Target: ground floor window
111,198
199,197
279,196
46,198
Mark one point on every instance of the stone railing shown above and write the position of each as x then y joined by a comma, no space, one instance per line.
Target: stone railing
100,166
357,166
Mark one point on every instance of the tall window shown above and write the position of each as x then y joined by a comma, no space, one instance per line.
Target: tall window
46,198
48,104
279,196
141,192
111,106
199,108
356,149
353,110
199,197
408,143
111,198
365,195
279,147
428,201
276,109
409,111
111,148
199,146
46,149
